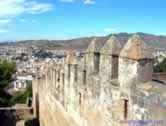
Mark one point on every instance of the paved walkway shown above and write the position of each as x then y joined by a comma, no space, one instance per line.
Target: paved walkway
55,115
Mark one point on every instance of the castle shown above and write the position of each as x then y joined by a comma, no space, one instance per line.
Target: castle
110,85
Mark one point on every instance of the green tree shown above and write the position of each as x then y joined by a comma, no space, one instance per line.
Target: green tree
161,66
21,97
6,71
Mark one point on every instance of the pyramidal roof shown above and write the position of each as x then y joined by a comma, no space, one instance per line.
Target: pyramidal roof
94,46
136,49
112,46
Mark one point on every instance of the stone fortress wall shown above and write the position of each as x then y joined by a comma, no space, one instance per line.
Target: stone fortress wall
109,84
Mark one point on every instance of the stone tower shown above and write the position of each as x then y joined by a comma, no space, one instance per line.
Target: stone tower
135,63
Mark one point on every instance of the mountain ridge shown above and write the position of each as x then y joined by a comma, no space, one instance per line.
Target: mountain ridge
154,41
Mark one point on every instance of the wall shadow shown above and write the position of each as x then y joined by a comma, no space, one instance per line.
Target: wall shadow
7,118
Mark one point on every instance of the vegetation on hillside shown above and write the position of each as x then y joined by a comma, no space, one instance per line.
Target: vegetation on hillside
21,97
43,54
160,66
23,57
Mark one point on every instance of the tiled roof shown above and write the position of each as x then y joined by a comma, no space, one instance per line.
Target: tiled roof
23,74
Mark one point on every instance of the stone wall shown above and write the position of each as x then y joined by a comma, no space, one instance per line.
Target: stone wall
104,87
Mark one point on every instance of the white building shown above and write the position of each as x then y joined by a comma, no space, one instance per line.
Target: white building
24,76
20,85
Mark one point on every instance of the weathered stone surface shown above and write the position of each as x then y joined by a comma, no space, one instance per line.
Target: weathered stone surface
136,49
135,64
101,89
112,47
71,59
95,46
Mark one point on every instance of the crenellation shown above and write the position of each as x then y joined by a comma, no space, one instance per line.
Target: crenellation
110,57
135,63
92,57
109,84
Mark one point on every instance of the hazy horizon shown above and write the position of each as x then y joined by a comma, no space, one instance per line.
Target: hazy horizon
10,41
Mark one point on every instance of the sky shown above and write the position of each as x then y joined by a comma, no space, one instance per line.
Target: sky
67,19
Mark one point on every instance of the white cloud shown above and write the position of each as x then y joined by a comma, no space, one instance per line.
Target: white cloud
3,31
27,20
85,1
10,8
34,7
67,1
110,30
5,21
89,2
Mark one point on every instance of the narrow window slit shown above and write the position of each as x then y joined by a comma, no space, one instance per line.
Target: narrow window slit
84,77
80,96
125,109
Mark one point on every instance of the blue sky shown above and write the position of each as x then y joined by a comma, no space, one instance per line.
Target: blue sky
66,19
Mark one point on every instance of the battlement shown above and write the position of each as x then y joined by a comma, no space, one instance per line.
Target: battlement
102,87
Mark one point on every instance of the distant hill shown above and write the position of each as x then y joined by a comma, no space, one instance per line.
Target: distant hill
154,41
